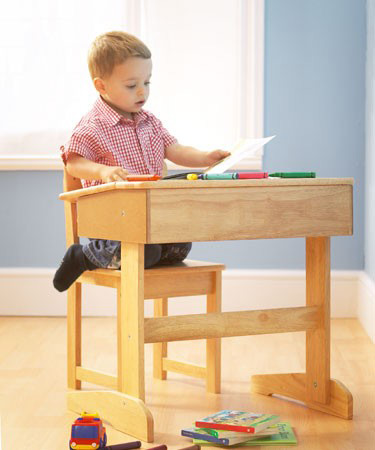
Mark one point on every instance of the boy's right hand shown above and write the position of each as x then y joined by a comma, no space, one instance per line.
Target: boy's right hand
113,173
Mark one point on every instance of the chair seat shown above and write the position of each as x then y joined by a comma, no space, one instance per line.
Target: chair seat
189,278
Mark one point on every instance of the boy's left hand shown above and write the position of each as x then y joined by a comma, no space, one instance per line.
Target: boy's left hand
215,155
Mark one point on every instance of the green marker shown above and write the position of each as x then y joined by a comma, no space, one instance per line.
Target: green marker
293,174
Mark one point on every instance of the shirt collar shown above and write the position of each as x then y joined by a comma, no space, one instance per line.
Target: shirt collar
111,117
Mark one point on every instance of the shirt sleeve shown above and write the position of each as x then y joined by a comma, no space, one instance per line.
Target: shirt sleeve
83,142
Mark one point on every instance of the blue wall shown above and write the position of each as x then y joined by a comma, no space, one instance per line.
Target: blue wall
32,219
314,103
370,143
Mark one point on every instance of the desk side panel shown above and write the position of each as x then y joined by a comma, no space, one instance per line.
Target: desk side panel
117,215
250,213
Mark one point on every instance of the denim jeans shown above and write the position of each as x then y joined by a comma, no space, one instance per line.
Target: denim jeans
107,254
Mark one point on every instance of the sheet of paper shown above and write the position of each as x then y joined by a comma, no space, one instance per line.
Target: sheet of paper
245,148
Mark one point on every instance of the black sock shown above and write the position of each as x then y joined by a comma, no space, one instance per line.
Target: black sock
72,266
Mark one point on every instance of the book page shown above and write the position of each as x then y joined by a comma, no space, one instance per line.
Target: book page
244,148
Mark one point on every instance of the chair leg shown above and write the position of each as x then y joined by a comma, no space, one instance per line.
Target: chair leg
120,363
160,348
74,327
213,346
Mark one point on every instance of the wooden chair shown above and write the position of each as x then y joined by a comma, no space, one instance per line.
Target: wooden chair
185,279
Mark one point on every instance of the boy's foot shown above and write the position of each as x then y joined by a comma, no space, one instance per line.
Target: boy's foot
72,266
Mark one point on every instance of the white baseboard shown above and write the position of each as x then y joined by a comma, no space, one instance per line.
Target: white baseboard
29,292
366,304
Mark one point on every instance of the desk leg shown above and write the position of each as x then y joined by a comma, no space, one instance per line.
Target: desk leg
213,346
315,388
130,316
124,410
318,293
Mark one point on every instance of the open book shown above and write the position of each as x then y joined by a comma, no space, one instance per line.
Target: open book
244,148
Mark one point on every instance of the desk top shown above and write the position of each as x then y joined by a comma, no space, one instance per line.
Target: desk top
72,196
207,210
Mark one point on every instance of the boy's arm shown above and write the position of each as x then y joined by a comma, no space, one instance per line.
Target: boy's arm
192,157
80,167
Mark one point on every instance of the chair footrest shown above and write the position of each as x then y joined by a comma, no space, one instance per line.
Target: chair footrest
184,368
96,377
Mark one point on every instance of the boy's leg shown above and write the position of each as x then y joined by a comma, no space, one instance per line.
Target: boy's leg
103,253
79,258
107,254
72,266
98,253
174,253
152,254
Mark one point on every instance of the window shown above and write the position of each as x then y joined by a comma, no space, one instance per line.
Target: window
207,84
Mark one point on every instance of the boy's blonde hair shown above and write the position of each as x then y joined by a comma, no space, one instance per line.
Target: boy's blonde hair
114,48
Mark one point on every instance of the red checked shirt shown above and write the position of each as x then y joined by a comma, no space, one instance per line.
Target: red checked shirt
106,137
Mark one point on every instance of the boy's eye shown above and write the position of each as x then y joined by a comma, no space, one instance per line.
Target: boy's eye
131,87
147,83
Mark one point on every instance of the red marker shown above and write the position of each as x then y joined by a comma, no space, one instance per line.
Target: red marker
250,175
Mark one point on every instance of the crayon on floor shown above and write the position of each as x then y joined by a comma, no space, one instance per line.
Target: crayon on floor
125,446
192,447
159,447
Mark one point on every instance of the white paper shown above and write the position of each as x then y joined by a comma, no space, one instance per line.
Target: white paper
243,149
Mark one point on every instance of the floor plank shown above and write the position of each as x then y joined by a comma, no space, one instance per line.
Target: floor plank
33,384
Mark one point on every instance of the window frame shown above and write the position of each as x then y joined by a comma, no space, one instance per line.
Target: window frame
250,87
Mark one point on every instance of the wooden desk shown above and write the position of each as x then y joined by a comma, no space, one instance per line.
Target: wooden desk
180,211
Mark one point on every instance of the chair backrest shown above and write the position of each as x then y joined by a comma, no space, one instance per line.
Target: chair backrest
71,184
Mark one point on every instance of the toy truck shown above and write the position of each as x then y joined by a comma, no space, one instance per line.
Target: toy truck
88,432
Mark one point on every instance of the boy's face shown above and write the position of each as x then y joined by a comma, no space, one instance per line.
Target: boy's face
127,88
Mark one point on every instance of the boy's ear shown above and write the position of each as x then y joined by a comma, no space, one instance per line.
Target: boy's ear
99,85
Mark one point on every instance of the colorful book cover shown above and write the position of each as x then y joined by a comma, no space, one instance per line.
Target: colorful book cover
246,422
284,436
227,433
222,437
204,435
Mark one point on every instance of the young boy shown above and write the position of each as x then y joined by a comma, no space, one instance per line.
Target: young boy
118,137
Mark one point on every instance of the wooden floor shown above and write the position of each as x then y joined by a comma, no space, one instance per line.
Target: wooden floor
33,384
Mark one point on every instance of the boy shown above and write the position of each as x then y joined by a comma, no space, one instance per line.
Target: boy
118,137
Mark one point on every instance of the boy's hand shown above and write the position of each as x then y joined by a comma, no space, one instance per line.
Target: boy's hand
113,173
215,156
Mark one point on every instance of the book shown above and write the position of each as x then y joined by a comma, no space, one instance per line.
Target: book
222,437
247,422
284,436
227,433
245,148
